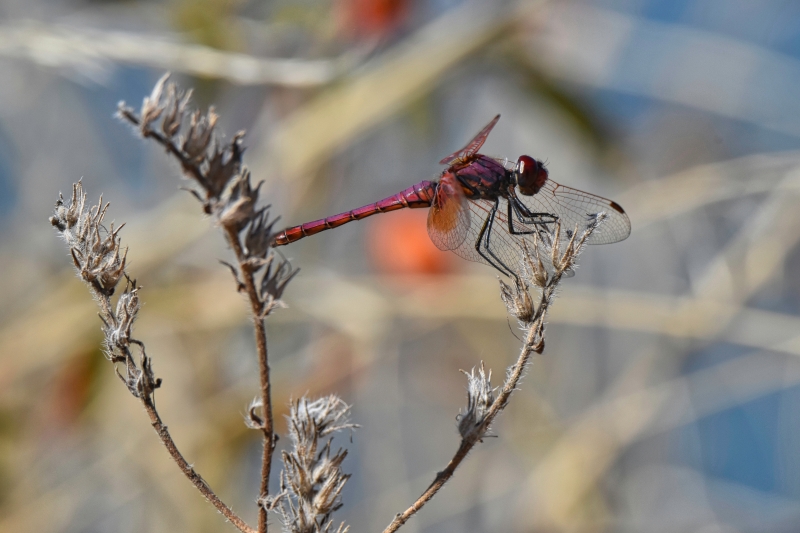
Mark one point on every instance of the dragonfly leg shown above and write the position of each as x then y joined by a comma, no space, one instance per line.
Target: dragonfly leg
484,241
481,234
526,216
534,221
539,221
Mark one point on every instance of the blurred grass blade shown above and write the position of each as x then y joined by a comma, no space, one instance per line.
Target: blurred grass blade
308,137
91,52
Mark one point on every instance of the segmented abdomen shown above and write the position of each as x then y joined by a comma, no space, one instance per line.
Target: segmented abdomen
416,196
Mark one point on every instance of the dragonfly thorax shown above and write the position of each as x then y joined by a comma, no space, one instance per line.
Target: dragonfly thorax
482,177
530,175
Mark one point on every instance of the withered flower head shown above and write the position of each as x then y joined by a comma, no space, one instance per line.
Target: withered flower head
312,480
480,397
518,300
95,249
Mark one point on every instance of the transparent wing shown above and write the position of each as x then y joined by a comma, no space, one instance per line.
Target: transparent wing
473,146
502,249
578,209
574,208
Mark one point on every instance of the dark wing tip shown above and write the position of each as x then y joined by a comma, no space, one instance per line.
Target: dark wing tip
616,206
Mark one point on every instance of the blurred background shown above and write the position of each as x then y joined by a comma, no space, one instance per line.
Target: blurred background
667,396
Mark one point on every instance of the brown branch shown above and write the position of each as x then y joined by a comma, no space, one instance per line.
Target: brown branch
196,479
95,251
259,326
186,165
534,342
474,437
227,194
146,396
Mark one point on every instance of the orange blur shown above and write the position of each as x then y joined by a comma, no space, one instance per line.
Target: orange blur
398,243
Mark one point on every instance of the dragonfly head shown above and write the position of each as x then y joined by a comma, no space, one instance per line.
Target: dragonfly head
530,175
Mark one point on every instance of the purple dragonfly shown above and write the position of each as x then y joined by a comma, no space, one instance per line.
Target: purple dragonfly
485,209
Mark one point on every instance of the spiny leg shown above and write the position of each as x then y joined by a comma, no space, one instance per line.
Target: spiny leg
539,223
525,216
502,268
538,226
487,242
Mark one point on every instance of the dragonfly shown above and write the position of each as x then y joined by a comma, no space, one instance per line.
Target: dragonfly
491,210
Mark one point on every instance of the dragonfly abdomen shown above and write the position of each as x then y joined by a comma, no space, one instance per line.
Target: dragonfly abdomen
419,195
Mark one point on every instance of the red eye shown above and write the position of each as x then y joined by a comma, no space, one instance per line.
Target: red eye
531,175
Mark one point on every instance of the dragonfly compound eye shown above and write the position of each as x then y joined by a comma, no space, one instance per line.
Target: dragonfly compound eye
531,175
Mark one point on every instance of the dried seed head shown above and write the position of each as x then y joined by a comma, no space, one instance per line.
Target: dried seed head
321,417
175,110
237,209
312,480
253,419
95,250
67,216
260,235
225,189
564,261
480,397
118,333
100,262
518,300
223,163
151,107
192,138
199,138
533,270
276,277
555,248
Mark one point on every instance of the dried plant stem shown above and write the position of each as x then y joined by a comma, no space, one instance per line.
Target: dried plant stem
173,150
534,343
149,404
222,185
470,441
260,328
196,479
100,261
269,438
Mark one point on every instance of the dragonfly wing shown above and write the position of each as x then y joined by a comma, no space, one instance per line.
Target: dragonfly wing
578,209
501,248
473,146
449,216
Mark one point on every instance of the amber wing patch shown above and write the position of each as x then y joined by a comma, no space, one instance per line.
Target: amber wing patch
448,218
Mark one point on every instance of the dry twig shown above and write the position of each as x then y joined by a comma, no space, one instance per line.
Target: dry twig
222,185
100,261
482,405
